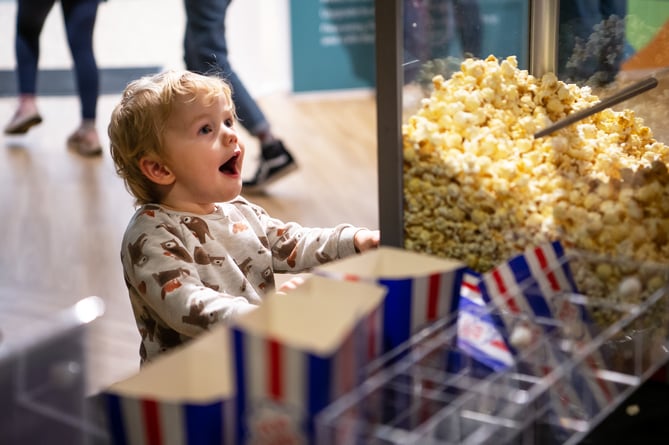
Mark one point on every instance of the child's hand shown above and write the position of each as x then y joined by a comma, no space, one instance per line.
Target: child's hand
290,285
366,239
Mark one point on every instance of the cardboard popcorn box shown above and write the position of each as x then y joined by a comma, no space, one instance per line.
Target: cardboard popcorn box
420,288
532,294
186,397
298,352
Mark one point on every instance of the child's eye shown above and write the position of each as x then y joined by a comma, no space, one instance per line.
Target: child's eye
205,130
229,123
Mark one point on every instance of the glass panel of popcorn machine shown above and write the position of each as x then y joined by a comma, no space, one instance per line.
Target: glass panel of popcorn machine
615,197
463,65
477,184
439,34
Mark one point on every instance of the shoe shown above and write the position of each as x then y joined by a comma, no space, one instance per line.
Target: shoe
275,163
21,124
85,146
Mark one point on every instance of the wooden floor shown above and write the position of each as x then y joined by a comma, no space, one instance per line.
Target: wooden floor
64,216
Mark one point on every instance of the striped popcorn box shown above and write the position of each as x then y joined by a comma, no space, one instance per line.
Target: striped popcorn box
184,398
479,331
298,352
420,288
533,286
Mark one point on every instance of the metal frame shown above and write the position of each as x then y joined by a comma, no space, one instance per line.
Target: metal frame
544,22
389,81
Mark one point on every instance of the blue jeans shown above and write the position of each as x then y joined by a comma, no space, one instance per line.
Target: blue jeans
206,51
79,17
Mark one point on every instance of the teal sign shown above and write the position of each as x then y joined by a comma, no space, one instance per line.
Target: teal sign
332,43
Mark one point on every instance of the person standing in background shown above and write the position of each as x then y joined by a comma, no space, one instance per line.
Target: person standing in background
206,52
79,17
433,28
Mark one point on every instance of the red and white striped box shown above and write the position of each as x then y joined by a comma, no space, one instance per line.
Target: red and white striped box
533,286
421,288
298,352
186,397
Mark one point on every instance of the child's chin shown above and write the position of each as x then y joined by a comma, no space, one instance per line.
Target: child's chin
235,190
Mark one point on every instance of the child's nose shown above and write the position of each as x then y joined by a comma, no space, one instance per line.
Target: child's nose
229,135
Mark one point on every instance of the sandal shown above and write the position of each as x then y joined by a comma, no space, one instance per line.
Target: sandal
21,124
79,143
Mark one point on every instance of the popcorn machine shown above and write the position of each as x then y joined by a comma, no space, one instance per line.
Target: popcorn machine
464,90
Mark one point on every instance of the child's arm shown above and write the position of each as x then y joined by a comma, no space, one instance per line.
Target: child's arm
290,284
297,249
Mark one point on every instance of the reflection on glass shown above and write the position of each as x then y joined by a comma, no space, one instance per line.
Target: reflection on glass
437,34
592,43
608,44
440,34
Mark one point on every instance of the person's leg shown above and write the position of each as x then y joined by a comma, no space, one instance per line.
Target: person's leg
468,22
206,51
79,17
30,20
415,38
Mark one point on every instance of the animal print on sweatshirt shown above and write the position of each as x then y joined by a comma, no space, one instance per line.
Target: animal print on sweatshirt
185,272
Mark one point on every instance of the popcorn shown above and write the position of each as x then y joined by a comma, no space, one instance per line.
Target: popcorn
630,287
480,188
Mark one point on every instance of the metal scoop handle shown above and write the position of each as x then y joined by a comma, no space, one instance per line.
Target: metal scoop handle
626,93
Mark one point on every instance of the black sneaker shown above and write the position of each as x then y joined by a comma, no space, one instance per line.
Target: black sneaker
275,163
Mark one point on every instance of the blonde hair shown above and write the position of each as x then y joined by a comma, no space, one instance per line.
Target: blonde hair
138,122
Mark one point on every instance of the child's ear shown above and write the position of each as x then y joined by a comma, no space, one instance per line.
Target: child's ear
156,171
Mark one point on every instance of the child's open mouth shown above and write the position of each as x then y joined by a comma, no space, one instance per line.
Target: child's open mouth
230,166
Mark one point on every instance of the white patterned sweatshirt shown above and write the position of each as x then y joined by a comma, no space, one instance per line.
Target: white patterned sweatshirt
185,272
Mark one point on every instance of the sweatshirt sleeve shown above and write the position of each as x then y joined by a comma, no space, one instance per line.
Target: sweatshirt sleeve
297,249
161,274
